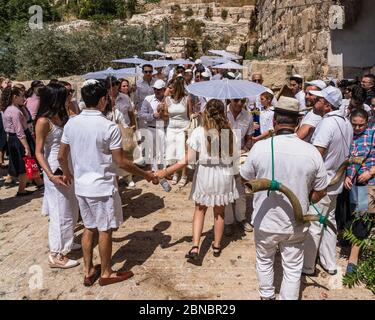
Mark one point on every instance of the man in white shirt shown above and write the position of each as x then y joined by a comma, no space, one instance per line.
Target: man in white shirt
242,125
332,138
144,86
300,167
94,143
312,118
151,113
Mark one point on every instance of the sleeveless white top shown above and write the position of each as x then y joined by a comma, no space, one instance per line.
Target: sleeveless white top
178,113
52,146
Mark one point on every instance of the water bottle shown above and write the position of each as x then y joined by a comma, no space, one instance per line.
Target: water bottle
165,184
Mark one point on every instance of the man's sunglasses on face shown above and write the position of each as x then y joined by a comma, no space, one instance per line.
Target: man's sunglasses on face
147,71
257,81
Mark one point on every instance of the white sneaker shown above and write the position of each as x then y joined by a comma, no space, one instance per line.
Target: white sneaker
76,247
131,185
246,226
56,260
174,179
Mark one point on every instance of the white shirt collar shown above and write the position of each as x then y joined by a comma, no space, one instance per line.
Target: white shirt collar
91,112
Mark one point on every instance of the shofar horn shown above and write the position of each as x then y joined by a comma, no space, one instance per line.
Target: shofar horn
342,169
265,184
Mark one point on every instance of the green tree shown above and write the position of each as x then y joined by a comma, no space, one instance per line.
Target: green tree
50,53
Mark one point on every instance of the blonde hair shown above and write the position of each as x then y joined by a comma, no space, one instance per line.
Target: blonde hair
214,117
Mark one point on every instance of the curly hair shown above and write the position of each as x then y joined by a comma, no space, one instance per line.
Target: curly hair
214,117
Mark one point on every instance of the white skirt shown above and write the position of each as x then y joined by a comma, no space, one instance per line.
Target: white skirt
214,185
175,145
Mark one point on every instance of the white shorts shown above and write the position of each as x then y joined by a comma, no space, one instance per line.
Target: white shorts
102,213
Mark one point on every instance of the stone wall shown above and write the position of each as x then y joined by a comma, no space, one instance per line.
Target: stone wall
300,29
295,30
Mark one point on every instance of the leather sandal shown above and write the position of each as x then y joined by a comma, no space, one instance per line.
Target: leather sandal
89,281
216,251
120,276
192,255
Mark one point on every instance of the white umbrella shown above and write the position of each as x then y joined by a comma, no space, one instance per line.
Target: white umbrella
226,54
226,89
134,60
221,60
180,61
230,65
102,74
155,53
119,73
158,63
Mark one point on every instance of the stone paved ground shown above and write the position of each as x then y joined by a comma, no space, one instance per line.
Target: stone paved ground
152,242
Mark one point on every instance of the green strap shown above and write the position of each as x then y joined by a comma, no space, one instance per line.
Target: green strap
275,185
322,219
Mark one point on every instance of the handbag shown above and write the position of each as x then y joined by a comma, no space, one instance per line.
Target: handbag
129,141
31,167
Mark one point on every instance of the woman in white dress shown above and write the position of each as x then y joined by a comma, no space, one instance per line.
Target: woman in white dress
179,108
214,182
59,198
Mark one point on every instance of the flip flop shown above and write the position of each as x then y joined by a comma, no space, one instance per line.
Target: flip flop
89,281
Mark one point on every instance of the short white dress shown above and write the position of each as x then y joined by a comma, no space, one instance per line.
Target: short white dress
176,130
213,184
59,202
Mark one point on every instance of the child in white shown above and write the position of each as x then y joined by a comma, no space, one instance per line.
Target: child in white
214,183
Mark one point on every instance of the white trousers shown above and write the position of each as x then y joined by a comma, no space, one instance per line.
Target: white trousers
61,205
157,154
291,249
239,205
320,239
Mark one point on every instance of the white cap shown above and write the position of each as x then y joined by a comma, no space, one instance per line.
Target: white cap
297,76
188,70
205,74
331,94
317,83
270,91
90,82
231,74
159,84
198,61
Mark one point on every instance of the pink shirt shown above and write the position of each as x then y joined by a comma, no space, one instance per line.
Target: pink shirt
32,104
15,121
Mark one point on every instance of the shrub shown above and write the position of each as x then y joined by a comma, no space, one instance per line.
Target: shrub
224,14
365,271
189,12
194,28
208,14
49,53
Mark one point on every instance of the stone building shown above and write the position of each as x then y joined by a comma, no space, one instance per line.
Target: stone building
336,38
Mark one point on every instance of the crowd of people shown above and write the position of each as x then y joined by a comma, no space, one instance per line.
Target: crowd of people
300,141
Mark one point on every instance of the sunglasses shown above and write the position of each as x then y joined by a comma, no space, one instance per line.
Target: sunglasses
148,71
257,81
